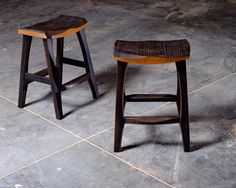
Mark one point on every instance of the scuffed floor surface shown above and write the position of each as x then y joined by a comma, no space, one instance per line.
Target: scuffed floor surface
36,150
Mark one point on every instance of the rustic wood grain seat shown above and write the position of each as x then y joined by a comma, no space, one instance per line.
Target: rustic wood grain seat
151,52
58,27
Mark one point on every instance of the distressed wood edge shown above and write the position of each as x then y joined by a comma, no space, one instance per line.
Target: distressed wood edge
38,34
149,60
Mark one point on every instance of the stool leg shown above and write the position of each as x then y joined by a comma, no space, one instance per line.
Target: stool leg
24,69
89,66
60,46
178,94
184,115
120,103
53,77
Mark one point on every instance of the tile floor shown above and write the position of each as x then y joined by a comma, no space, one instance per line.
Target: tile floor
36,150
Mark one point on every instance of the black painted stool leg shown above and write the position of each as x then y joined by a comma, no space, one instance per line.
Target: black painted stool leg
89,66
120,103
178,94
59,64
184,114
24,69
53,77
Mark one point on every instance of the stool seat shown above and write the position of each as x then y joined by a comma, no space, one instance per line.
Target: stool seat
58,27
151,52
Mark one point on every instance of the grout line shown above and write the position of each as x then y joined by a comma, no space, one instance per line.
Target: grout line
154,109
56,152
60,127
132,113
128,163
100,132
30,111
192,92
212,83
175,175
10,101
37,161
67,147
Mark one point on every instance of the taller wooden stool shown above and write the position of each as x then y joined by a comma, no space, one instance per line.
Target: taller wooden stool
152,52
57,28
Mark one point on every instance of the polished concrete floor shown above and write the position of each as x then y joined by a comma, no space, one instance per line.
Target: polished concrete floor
36,150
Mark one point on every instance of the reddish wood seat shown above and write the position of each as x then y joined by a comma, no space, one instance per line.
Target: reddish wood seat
151,52
58,27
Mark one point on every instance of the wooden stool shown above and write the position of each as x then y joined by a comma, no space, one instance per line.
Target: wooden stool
57,28
152,52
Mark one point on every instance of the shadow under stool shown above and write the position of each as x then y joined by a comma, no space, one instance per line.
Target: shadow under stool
57,28
152,52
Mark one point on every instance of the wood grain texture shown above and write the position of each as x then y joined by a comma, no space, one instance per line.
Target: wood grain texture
150,98
152,120
151,52
58,27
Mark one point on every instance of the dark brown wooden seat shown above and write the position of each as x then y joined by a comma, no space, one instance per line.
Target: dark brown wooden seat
152,52
58,27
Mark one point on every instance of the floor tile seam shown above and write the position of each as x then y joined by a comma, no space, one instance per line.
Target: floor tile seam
58,126
41,159
98,133
175,173
68,131
212,83
55,124
41,117
129,164
192,92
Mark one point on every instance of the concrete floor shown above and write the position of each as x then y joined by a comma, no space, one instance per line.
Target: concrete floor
36,150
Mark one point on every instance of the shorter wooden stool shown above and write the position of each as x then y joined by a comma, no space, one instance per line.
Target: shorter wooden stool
152,52
57,28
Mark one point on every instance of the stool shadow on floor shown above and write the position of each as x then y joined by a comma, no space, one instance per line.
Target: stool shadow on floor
206,129
45,97
153,138
106,82
106,79
219,120
74,106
